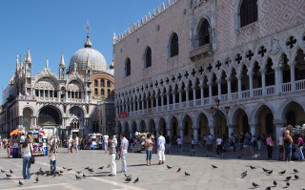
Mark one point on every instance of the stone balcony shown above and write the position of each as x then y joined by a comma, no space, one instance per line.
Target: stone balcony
201,52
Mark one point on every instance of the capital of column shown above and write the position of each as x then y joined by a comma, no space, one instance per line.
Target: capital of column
195,127
218,81
263,70
228,78
250,73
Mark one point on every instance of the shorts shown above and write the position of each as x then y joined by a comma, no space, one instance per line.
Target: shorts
281,149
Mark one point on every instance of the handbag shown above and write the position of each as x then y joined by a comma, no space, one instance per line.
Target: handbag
32,157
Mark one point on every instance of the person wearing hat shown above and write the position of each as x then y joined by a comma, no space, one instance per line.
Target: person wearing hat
112,153
27,150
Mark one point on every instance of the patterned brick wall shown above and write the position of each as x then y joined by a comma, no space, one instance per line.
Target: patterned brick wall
273,16
171,20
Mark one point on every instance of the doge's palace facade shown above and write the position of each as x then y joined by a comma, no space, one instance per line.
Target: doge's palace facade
177,61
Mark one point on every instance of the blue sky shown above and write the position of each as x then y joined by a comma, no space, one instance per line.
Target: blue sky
49,27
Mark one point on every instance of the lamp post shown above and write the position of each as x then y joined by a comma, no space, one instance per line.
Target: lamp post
216,112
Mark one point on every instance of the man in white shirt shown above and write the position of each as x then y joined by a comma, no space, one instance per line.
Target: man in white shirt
105,138
123,152
76,143
161,148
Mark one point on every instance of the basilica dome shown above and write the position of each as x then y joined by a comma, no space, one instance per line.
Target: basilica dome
79,59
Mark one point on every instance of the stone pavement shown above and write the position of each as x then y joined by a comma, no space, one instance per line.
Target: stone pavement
203,176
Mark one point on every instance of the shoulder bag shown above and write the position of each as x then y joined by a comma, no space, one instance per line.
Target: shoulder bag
32,156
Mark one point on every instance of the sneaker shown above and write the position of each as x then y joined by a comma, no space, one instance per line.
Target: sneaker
111,175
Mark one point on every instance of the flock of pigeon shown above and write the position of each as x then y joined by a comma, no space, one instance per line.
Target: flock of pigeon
128,178
40,172
269,172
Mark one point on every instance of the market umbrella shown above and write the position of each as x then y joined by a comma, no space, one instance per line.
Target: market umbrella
14,132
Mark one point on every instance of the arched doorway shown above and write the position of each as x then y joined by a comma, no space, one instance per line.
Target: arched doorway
174,129
187,124
162,126
152,127
142,127
133,127
49,118
294,114
27,118
220,122
242,122
203,125
265,121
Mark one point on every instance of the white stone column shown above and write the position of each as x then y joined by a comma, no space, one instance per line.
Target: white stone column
212,129
180,97
230,129
134,106
250,74
202,94
143,102
210,92
277,80
278,126
187,89
168,131
138,102
162,101
195,133
157,101
174,99
229,88
292,75
194,96
239,86
219,88
253,128
167,99
263,73
181,130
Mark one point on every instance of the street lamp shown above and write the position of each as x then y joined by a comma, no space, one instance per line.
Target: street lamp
215,111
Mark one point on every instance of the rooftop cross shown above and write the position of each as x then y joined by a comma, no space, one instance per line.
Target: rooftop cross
88,28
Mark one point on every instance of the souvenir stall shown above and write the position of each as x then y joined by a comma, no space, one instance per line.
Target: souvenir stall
39,143
14,148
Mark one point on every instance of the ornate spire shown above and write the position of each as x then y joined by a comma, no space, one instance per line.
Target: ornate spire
47,63
88,62
17,62
62,60
88,43
28,56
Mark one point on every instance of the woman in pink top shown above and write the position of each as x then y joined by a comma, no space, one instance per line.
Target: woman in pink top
300,148
269,146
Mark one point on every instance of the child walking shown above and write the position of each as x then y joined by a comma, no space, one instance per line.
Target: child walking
53,158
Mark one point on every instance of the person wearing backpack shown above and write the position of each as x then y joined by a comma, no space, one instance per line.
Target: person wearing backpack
300,148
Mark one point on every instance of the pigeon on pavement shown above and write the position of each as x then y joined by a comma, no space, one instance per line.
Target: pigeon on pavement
136,181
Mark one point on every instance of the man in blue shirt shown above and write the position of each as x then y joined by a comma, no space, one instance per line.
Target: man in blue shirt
161,148
124,150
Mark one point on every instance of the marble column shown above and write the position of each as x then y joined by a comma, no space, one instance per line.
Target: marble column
194,96
253,128
279,124
229,88
250,74
212,129
219,88
210,92
162,101
174,99
202,94
195,133
167,99
187,89
277,80
292,75
263,73
239,86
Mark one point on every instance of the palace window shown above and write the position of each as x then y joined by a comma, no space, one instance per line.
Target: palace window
108,84
102,83
147,58
127,67
96,91
204,34
102,92
248,12
174,45
95,83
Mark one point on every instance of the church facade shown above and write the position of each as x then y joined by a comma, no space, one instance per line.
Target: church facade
212,66
79,100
